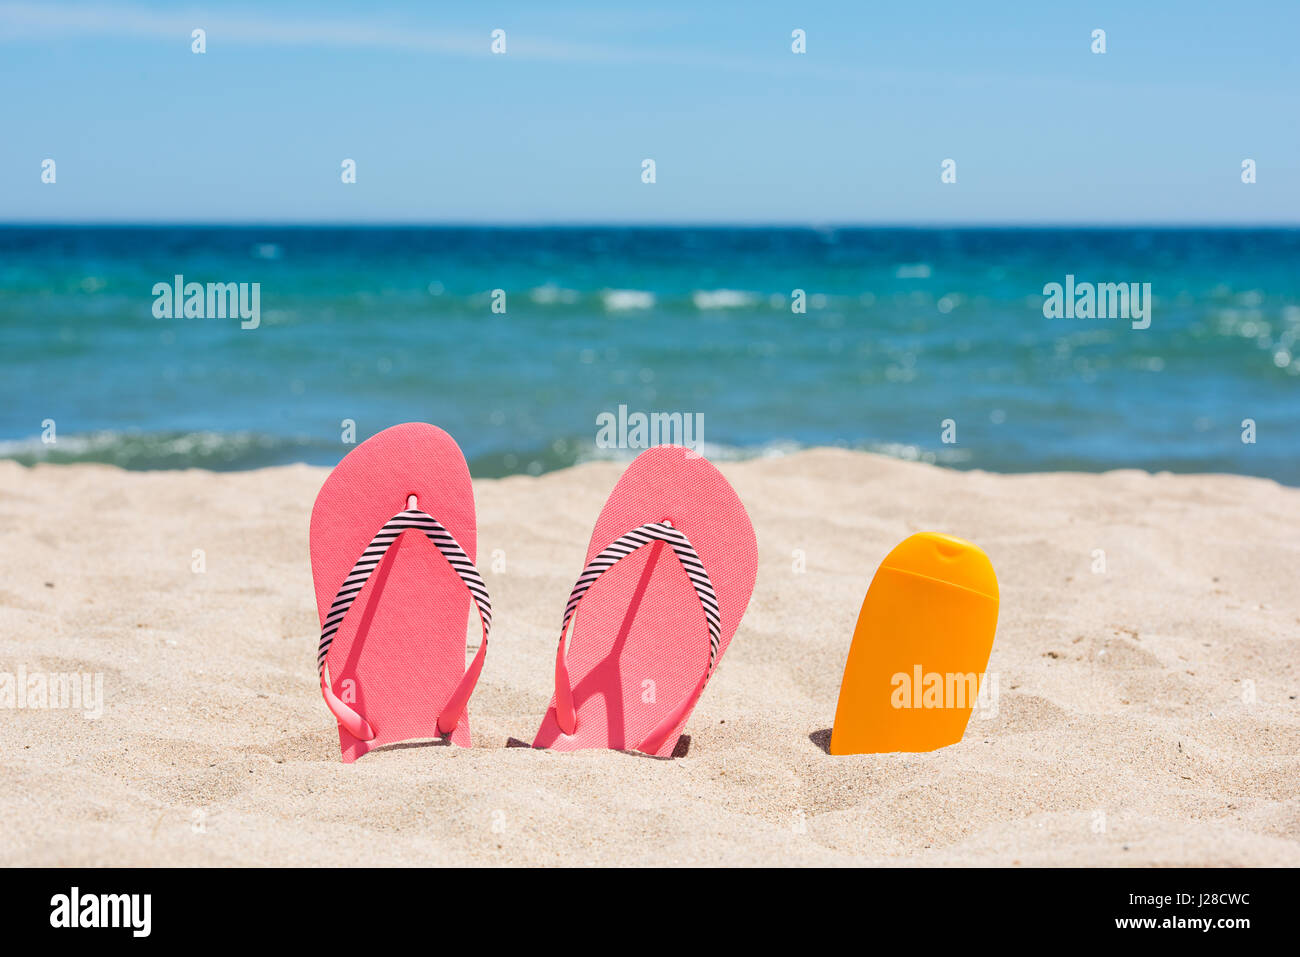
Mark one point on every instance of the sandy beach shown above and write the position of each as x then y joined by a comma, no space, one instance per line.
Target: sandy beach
1146,713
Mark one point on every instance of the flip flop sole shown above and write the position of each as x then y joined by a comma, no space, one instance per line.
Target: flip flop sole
639,641
400,651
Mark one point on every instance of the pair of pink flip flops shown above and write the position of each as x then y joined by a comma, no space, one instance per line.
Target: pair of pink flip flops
669,573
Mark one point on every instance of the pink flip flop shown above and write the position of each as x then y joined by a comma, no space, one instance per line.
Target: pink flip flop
670,571
393,538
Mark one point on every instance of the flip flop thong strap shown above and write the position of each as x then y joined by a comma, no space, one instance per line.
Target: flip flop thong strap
620,548
445,542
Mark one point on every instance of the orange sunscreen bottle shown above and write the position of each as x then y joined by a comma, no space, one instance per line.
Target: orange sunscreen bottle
919,650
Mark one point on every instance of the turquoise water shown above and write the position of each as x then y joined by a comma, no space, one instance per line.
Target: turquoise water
904,328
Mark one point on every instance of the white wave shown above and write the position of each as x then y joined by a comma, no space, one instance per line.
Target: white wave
550,294
135,449
913,271
914,453
618,300
722,298
777,448
714,451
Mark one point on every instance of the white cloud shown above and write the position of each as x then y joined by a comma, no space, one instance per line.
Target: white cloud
45,20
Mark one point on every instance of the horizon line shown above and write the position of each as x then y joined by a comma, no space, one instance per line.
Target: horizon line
813,225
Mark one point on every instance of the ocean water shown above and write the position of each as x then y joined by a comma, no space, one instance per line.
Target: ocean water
904,329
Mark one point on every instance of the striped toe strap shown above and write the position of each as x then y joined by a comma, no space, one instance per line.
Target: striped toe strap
625,545
445,542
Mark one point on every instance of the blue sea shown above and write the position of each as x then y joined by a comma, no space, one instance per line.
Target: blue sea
904,328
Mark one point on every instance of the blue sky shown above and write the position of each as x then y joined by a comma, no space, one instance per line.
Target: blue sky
741,129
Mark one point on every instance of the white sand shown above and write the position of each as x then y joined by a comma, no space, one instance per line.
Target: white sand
1126,729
